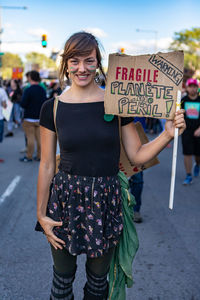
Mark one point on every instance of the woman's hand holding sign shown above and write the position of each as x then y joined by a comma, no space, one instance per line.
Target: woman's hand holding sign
178,122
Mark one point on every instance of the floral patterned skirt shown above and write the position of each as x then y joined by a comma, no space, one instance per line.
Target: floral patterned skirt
90,209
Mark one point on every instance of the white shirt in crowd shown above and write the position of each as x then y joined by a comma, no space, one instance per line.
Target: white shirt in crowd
3,98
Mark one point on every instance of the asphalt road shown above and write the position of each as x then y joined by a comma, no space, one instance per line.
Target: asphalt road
167,264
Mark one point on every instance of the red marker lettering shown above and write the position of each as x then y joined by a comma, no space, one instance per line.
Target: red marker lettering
124,73
144,75
118,69
131,75
148,76
155,74
138,74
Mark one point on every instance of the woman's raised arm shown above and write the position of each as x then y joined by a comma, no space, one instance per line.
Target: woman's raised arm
140,154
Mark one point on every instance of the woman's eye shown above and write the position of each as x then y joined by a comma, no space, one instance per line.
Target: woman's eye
90,61
73,62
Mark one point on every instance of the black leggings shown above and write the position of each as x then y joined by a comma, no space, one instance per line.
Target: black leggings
65,263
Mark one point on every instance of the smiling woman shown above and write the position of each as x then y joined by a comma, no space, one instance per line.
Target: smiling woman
80,207
77,214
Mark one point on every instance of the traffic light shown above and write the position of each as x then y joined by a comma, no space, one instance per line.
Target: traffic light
44,40
1,55
122,50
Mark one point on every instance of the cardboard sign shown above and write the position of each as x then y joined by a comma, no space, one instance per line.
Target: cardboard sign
125,165
145,85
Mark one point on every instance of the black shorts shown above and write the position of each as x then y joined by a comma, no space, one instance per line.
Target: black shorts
191,144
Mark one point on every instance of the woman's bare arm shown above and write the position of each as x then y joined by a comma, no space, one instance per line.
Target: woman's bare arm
46,173
140,154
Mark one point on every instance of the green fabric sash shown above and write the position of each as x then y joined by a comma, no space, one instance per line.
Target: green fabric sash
120,274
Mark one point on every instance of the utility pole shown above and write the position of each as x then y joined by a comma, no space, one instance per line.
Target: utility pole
151,31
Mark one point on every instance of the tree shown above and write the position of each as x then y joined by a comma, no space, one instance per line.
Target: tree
9,61
188,41
42,60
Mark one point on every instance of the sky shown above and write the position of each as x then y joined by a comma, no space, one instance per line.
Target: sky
140,27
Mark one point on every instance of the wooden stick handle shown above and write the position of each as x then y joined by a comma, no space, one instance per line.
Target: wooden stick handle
174,159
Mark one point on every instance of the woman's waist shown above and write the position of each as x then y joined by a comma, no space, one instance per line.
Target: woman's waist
88,166
70,176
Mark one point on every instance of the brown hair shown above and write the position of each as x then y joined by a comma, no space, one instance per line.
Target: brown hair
79,44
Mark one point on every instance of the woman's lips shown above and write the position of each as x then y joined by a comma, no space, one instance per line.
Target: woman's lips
82,77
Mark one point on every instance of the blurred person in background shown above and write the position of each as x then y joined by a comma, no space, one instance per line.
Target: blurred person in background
28,83
80,208
15,97
55,90
24,86
3,104
32,100
7,86
191,136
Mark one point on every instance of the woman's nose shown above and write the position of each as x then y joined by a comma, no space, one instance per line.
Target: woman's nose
81,67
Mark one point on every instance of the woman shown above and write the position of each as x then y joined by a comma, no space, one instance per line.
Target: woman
82,212
15,97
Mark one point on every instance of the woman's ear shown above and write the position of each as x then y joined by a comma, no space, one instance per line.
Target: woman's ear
67,74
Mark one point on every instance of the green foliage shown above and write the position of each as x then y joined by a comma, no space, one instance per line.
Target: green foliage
188,41
6,73
42,60
10,61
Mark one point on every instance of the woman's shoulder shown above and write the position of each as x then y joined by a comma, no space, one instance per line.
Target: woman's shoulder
47,106
49,103
46,114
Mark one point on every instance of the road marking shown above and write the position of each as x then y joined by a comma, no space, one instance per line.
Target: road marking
10,189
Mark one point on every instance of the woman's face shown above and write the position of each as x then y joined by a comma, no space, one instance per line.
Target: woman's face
82,69
13,85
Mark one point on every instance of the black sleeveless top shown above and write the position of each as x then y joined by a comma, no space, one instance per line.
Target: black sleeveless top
89,145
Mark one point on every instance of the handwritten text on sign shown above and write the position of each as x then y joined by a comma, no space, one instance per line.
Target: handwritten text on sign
144,85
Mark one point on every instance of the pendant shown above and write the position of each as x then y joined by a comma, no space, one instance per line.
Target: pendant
108,118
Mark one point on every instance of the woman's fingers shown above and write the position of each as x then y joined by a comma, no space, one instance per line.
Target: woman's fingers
179,120
55,244
54,240
48,225
180,111
54,223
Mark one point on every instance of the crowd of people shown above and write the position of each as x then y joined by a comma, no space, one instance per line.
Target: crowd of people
26,99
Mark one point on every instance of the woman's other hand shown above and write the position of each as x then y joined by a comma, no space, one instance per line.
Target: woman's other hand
48,224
